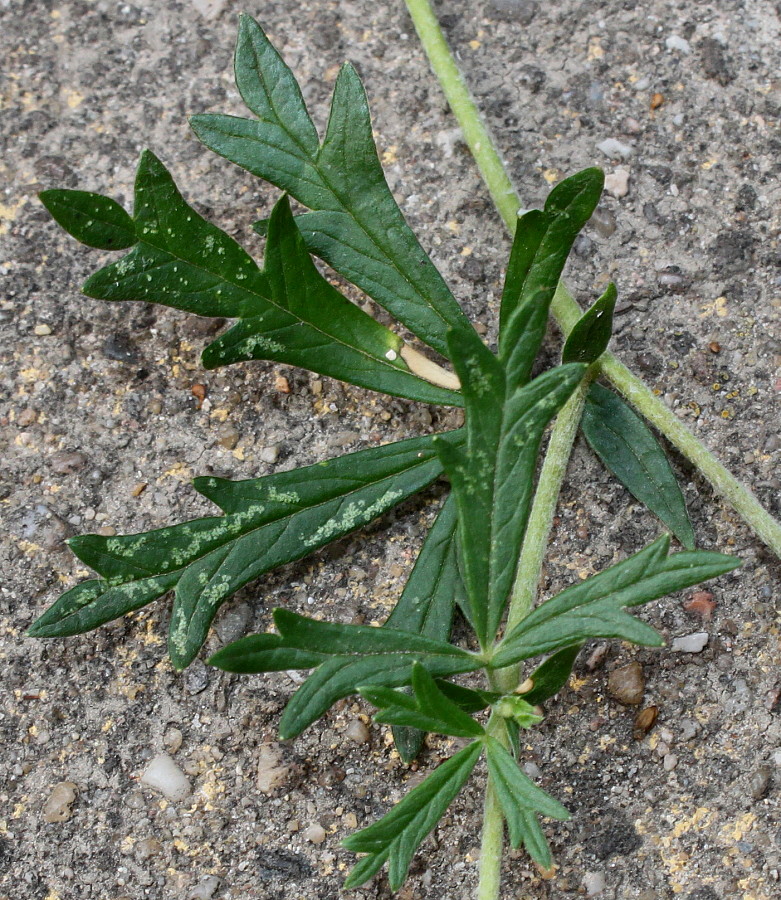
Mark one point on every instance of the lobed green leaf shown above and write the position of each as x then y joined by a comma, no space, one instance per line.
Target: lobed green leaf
356,225
542,242
521,800
428,709
594,608
268,522
288,312
492,476
352,655
396,836
629,450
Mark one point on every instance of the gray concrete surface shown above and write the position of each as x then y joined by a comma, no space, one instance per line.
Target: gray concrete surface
97,401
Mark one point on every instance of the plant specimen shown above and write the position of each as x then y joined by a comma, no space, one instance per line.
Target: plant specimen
484,552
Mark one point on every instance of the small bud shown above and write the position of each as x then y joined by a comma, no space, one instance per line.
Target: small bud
513,707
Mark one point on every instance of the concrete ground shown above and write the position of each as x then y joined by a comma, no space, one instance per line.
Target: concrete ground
100,429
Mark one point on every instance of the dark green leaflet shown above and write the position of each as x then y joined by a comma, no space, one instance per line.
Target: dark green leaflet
288,312
521,801
542,242
426,709
352,655
396,836
492,476
551,676
594,608
268,522
428,601
629,450
355,226
93,219
589,338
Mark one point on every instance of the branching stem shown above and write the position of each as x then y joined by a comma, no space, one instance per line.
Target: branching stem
566,312
564,308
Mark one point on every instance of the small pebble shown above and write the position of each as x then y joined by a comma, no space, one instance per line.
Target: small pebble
617,183
645,721
604,222
597,657
172,740
532,770
315,834
163,775
687,729
614,149
675,42
147,848
205,889
670,762
196,678
66,462
272,770
57,807
227,437
281,384
702,604
759,782
233,622
270,454
594,883
358,732
42,330
627,684
691,643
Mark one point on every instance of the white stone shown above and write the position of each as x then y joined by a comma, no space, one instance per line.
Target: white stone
691,643
163,775
617,182
594,883
315,834
205,890
675,42
614,149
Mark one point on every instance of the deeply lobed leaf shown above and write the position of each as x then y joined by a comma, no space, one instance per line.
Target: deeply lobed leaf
521,800
595,607
356,225
396,836
348,656
288,312
542,242
268,522
492,476
427,709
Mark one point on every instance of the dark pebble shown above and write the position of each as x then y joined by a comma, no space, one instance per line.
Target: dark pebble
119,348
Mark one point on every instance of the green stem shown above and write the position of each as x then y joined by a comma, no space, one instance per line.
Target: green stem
535,542
457,94
492,840
564,308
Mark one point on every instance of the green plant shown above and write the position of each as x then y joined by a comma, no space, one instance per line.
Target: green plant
484,552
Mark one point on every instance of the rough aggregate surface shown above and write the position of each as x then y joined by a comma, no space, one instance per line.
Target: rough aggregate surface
106,414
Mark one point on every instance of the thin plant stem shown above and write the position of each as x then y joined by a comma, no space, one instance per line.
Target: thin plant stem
492,839
564,308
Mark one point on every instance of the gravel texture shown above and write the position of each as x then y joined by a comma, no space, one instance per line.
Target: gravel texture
105,415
